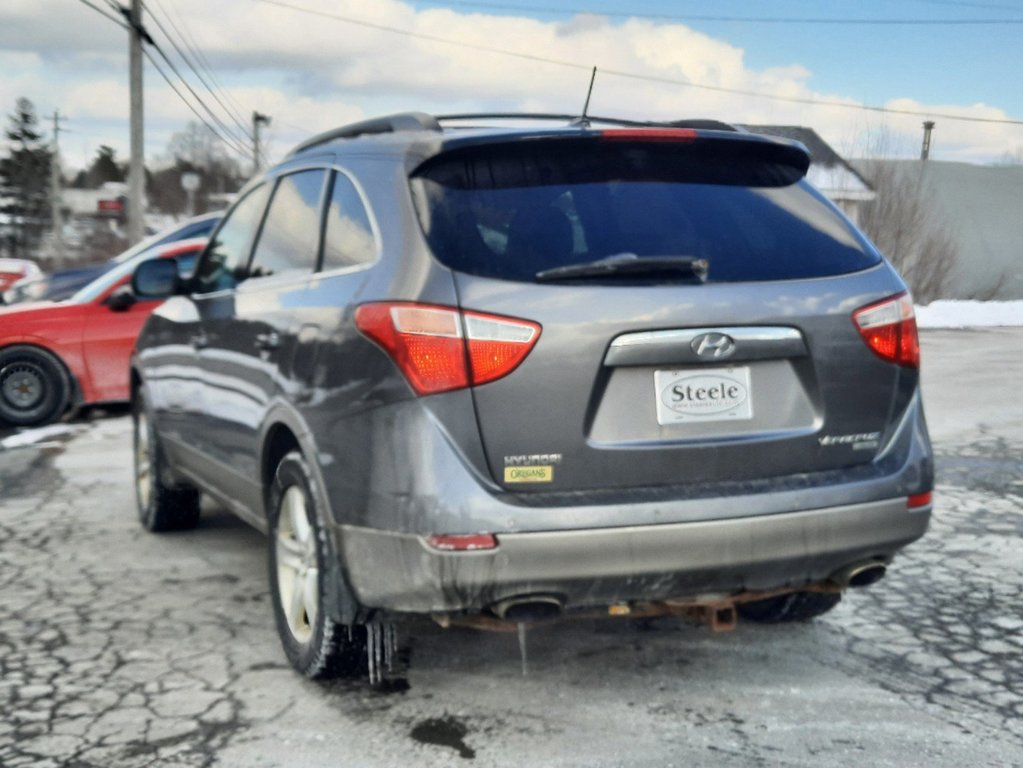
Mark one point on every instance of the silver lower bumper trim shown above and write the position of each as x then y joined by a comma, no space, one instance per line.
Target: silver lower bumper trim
398,571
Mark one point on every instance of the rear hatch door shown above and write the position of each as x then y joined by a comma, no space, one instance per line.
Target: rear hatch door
723,350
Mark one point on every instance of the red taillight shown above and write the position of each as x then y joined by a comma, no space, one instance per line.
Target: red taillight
468,542
918,500
441,348
648,134
889,328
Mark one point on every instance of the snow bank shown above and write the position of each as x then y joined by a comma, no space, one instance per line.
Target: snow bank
969,314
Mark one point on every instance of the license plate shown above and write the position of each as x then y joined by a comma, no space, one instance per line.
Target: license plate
703,394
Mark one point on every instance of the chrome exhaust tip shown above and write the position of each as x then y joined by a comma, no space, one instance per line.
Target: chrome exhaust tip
860,574
528,608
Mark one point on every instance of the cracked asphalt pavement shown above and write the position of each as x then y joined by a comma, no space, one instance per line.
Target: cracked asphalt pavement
121,648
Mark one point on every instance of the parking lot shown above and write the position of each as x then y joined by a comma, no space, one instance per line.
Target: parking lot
121,648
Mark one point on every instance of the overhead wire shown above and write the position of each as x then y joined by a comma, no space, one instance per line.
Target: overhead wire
104,14
636,75
241,151
223,126
232,141
215,89
194,47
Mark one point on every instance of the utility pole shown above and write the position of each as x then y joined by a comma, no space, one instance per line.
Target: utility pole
257,120
55,213
136,165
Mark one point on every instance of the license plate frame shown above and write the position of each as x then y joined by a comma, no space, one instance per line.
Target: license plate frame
703,395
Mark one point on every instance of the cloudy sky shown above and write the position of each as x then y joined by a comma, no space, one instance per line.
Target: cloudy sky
314,64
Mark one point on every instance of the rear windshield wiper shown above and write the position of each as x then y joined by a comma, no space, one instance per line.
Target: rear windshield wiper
629,265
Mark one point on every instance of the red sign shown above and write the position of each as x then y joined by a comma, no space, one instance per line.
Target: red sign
111,206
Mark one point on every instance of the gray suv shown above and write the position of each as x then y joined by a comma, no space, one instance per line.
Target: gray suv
495,375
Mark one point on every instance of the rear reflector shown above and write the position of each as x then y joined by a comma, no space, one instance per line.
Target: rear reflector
463,542
441,348
889,328
918,500
648,134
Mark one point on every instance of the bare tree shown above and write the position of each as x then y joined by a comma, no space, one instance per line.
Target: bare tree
904,223
901,223
197,150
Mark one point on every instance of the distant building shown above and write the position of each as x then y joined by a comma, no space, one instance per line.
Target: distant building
829,172
981,206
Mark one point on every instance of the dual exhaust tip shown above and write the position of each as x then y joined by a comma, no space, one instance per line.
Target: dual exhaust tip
528,609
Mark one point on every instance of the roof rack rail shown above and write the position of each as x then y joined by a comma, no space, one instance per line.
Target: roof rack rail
540,116
402,121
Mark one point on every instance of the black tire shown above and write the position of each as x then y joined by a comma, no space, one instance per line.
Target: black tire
162,506
34,386
795,606
316,645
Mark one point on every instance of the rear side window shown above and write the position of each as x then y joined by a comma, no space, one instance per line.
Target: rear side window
348,240
290,236
510,211
224,262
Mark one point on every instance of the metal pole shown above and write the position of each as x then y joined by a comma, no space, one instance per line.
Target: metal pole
136,166
257,120
925,150
55,214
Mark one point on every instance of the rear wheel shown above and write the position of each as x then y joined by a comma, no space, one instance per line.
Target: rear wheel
162,507
795,606
34,386
315,644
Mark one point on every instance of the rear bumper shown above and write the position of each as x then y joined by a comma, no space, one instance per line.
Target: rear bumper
591,567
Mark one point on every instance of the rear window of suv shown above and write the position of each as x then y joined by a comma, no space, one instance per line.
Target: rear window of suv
510,211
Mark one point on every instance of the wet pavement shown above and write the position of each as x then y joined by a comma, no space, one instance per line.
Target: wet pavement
120,648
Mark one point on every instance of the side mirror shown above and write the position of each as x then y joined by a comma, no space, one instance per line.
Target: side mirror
121,299
155,279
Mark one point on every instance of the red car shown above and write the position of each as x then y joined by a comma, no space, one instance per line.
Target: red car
13,270
76,351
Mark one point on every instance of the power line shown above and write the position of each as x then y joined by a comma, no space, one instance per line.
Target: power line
223,126
232,142
635,75
861,21
213,92
200,56
104,14
188,104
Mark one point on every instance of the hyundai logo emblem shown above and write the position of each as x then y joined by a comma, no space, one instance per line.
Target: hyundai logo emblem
713,346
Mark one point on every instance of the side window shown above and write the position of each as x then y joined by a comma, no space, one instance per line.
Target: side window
223,264
349,237
291,232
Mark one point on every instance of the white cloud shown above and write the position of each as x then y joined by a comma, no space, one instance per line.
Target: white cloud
310,72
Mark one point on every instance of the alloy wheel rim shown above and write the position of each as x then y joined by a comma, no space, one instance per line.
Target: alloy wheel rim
23,385
297,569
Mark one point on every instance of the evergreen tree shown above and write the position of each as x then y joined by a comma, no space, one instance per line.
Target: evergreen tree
104,168
24,184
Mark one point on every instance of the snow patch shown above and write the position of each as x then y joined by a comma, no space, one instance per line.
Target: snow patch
38,435
969,314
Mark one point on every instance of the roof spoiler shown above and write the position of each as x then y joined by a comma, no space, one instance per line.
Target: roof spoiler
421,121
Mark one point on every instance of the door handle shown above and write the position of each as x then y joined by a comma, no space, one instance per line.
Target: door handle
268,341
200,341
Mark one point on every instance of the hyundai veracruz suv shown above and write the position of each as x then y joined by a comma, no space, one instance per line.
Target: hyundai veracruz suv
497,374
